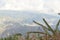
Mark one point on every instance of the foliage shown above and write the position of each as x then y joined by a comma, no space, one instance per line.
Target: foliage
55,33
14,37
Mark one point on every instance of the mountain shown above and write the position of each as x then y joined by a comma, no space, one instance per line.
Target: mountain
12,22
19,29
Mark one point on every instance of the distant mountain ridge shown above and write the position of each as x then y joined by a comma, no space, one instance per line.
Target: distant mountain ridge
15,21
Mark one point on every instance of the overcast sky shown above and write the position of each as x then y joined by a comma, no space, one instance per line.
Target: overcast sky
45,6
42,6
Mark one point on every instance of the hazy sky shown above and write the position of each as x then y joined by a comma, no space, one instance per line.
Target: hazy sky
45,6
42,6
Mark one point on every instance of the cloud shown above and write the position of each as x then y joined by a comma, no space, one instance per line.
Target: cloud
52,5
45,6
2,3
8,18
31,25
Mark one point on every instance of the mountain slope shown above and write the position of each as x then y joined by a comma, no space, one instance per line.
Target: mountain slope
12,22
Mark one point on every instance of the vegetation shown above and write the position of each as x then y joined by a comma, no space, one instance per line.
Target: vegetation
55,33
14,37
48,34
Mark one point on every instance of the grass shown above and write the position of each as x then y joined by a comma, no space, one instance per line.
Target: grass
13,37
55,33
